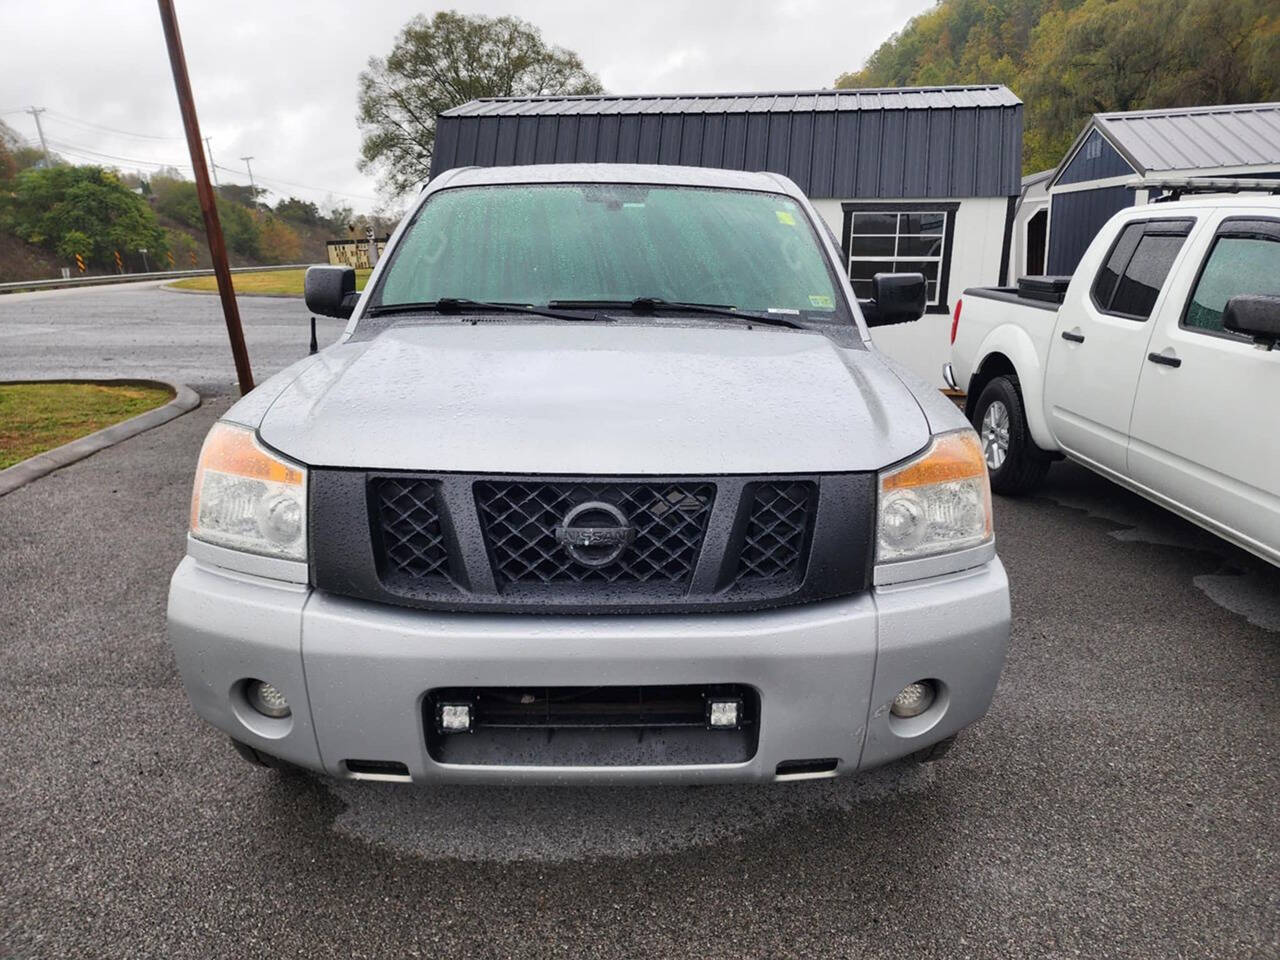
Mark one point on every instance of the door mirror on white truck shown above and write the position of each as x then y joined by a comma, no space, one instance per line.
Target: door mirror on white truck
331,291
1254,315
896,298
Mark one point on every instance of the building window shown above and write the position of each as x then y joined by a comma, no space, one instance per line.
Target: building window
906,238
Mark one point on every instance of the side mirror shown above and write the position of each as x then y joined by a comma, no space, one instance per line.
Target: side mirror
896,298
331,291
1254,315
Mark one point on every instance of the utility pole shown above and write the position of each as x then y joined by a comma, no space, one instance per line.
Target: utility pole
213,164
252,185
40,130
212,226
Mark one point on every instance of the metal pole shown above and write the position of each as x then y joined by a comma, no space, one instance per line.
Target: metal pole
40,130
208,207
252,185
213,164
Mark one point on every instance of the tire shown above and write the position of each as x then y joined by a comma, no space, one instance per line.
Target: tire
1015,463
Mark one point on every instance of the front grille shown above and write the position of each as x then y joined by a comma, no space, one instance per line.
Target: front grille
520,520
575,545
408,514
773,542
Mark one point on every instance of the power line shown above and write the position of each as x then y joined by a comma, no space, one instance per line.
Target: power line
136,161
301,186
40,131
90,154
64,118
253,177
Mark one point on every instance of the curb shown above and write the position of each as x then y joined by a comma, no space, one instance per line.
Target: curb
110,279
184,400
213,293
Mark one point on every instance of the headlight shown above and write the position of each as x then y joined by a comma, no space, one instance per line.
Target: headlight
937,503
249,498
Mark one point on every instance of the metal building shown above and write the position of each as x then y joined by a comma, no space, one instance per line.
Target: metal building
909,179
1233,140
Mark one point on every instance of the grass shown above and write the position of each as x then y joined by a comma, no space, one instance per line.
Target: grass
35,417
282,282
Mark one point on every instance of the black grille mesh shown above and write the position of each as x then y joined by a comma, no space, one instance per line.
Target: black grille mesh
409,516
773,543
519,520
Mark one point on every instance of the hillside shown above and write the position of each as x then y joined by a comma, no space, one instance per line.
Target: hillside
1068,59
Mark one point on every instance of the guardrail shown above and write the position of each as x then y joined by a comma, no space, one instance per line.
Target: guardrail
57,282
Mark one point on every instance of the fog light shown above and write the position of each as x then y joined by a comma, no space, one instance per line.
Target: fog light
724,714
914,699
267,700
454,717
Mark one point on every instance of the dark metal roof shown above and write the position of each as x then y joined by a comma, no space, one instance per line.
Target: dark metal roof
1229,136
890,98
910,142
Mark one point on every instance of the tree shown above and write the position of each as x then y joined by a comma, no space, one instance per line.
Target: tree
239,229
74,242
1068,59
338,217
63,206
182,246
177,200
277,241
298,211
441,63
241,193
9,142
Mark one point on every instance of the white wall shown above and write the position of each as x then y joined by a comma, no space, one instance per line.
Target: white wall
924,346
1035,197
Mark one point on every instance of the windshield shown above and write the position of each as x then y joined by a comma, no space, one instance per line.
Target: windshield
541,243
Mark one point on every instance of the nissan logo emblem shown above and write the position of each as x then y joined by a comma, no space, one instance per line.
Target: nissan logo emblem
595,533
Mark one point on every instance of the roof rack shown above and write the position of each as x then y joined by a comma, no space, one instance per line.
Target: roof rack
1178,187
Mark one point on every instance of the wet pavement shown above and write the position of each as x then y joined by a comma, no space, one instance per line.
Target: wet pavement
1121,799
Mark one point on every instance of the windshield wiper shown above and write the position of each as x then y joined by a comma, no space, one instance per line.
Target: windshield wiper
455,305
658,305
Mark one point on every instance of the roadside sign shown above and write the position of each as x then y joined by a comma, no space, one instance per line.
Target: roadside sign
80,263
119,263
354,253
192,255
170,256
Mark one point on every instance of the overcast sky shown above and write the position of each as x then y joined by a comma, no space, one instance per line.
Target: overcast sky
277,79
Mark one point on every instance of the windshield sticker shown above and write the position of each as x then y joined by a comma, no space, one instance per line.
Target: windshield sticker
821,301
785,217
787,310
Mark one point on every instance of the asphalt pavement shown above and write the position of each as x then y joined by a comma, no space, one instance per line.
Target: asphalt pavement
1121,799
146,329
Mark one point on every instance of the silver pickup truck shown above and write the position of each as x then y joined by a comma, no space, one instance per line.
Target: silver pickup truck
604,482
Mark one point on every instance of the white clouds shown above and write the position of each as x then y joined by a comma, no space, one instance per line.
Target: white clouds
278,79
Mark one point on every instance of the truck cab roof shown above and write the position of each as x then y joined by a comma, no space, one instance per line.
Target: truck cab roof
649,173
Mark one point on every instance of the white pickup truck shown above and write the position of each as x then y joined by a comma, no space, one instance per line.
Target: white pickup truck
1154,365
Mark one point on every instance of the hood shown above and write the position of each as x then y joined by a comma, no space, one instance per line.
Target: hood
553,398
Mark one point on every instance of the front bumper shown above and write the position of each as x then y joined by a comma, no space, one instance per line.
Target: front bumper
356,673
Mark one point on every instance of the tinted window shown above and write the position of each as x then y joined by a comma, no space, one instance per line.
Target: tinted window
1235,265
1105,285
1144,276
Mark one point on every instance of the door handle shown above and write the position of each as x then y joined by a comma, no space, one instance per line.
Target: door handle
1073,336
1166,359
